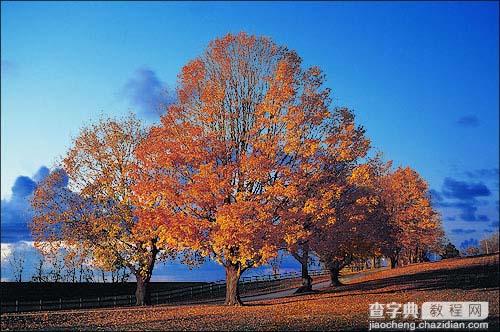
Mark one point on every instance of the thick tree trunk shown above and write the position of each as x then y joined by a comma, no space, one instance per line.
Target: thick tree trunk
306,278
233,273
394,262
142,291
334,276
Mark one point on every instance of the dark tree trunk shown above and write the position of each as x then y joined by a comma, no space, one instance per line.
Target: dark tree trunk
233,273
334,276
306,278
304,260
394,262
142,291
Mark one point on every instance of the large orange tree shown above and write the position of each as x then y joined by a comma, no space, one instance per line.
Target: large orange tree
88,203
231,155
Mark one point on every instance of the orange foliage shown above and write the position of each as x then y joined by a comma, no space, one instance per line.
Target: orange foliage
97,212
250,129
414,226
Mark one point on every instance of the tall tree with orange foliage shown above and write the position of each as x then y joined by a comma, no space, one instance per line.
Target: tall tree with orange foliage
88,204
414,225
229,157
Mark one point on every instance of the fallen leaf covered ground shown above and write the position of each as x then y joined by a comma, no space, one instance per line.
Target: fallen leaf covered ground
346,307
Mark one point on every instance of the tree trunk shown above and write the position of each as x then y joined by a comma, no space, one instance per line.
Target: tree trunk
306,278
142,291
233,273
394,262
334,276
304,260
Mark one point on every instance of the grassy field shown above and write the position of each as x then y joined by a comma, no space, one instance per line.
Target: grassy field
346,307
33,291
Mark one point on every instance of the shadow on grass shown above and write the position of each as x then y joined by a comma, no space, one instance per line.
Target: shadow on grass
484,277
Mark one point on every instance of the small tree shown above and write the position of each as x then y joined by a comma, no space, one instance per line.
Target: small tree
448,250
489,244
16,261
39,273
56,268
472,251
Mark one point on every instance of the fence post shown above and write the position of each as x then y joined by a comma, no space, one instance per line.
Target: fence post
157,298
191,291
80,303
114,300
17,306
98,301
129,299
40,304
60,304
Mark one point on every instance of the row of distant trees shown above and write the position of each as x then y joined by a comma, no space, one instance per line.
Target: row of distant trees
252,159
488,245
60,267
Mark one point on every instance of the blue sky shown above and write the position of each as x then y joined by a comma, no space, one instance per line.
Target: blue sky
423,78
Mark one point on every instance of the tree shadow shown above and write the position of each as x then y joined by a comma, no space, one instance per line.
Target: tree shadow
483,277
464,278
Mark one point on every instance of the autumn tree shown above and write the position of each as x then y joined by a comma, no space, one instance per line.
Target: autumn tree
413,224
322,184
88,203
352,229
472,251
489,244
228,157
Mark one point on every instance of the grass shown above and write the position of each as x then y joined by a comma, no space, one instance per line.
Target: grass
346,307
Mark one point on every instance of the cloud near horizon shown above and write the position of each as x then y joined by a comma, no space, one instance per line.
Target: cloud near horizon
147,93
463,190
463,196
17,212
